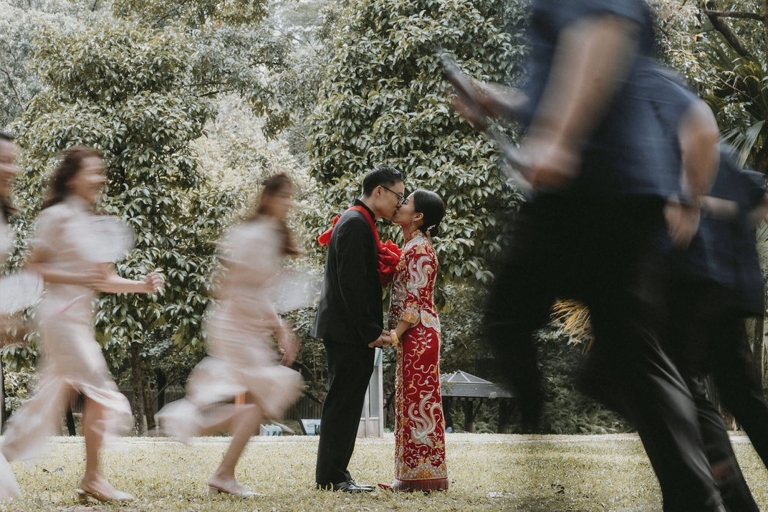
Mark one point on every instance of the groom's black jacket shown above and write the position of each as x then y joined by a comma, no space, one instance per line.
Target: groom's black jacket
350,309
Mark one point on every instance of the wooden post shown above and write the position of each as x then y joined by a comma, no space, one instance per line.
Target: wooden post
448,412
469,415
138,390
150,407
162,383
503,416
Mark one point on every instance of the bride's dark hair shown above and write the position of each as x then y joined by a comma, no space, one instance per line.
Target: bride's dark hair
432,207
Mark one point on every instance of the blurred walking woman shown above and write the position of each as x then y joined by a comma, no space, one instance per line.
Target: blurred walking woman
419,422
72,362
241,355
8,486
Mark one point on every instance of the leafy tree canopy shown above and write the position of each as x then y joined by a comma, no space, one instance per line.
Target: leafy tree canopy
721,47
383,102
194,13
127,92
19,20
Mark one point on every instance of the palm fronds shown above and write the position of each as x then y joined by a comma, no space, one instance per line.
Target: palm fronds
573,319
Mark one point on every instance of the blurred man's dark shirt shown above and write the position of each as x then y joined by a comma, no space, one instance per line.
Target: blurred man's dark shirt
620,157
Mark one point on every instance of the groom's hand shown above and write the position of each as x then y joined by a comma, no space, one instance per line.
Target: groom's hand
382,341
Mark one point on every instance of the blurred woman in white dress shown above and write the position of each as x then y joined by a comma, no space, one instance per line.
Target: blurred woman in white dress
241,354
8,486
72,361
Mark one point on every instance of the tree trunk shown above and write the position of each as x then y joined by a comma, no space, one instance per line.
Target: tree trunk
761,159
757,348
137,401
149,407
504,414
71,430
2,396
765,25
469,415
162,384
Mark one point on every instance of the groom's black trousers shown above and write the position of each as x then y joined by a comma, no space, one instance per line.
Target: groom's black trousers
349,372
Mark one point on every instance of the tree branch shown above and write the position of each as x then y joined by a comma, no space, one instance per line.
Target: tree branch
727,85
13,86
215,92
722,27
735,14
170,13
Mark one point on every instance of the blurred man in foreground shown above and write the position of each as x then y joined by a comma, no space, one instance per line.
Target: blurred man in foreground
590,230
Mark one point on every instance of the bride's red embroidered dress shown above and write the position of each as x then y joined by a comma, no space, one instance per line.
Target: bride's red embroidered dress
419,424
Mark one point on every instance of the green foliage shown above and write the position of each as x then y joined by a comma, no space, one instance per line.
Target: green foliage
18,86
235,153
306,29
233,48
461,326
193,13
19,19
740,95
139,80
16,386
726,61
128,92
311,360
383,102
241,60
566,410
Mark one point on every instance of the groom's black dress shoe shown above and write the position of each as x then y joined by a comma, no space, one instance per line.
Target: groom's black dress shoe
347,486
364,487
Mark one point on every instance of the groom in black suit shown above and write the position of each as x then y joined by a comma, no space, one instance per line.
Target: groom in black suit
350,323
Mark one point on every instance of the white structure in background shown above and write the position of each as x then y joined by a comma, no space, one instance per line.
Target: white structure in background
372,421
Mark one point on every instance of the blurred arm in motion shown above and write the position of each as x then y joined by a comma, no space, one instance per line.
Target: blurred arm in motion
592,58
698,135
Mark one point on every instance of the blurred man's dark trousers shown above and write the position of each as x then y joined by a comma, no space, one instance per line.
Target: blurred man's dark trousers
604,254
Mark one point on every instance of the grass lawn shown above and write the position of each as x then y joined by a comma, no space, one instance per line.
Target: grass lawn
487,472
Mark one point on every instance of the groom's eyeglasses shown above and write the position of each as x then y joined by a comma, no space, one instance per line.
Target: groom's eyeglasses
400,197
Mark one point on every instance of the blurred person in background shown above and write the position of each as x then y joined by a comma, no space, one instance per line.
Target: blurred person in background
706,265
709,299
242,357
718,344
72,359
714,278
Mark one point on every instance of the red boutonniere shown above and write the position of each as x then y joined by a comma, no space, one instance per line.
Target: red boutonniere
389,252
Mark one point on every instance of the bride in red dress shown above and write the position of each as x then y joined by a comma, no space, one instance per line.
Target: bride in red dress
419,424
